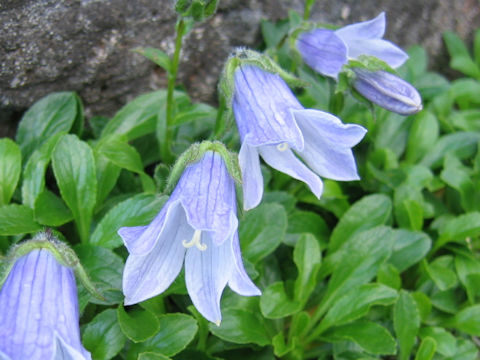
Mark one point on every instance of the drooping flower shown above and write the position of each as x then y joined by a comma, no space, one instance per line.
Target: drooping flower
274,125
326,51
197,224
388,91
39,311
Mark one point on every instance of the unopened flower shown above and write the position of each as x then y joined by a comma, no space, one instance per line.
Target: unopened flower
39,311
326,51
388,91
197,224
274,125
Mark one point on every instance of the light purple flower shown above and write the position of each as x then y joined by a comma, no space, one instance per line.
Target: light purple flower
388,91
39,311
273,124
326,51
199,224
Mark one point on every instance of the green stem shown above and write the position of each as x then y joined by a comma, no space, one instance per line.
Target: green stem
172,78
308,7
220,120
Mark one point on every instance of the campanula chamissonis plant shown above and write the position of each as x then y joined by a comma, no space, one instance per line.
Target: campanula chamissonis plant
39,310
274,125
198,225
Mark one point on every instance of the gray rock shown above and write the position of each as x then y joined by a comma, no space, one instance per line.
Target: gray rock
84,45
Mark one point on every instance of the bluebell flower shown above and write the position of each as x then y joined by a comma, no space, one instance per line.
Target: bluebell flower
39,311
326,51
274,125
197,224
388,91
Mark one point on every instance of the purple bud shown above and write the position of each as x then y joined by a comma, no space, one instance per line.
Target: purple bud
388,91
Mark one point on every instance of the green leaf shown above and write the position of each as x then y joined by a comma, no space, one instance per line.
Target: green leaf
53,114
107,176
455,45
262,230
441,272
139,117
300,222
17,219
409,247
468,320
406,321
357,262
426,349
466,65
125,156
156,55
241,327
74,169
424,305
176,332
389,275
370,336
422,136
276,304
468,270
356,303
368,212
137,210
103,336
34,173
105,269
152,356
10,169
445,341
306,257
461,144
138,324
50,210
458,229
467,350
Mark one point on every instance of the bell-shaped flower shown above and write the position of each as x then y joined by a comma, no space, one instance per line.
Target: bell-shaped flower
388,91
326,51
197,224
39,311
274,125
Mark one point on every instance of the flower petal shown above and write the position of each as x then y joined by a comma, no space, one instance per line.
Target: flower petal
239,280
370,29
206,275
147,275
285,161
323,51
382,49
130,235
65,352
252,179
37,301
328,144
261,104
207,193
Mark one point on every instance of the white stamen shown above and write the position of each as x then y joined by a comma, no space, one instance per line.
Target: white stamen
282,147
217,322
196,240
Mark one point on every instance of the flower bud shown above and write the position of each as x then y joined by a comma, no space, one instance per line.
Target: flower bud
388,91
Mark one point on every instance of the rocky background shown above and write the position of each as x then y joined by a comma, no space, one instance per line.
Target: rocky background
83,45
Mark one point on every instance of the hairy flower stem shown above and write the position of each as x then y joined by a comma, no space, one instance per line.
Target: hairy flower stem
220,120
172,78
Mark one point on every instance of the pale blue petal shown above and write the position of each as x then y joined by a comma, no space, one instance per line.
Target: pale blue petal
207,193
140,240
388,91
206,275
370,29
382,49
37,301
65,352
286,162
323,51
252,179
239,280
328,144
261,105
148,275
